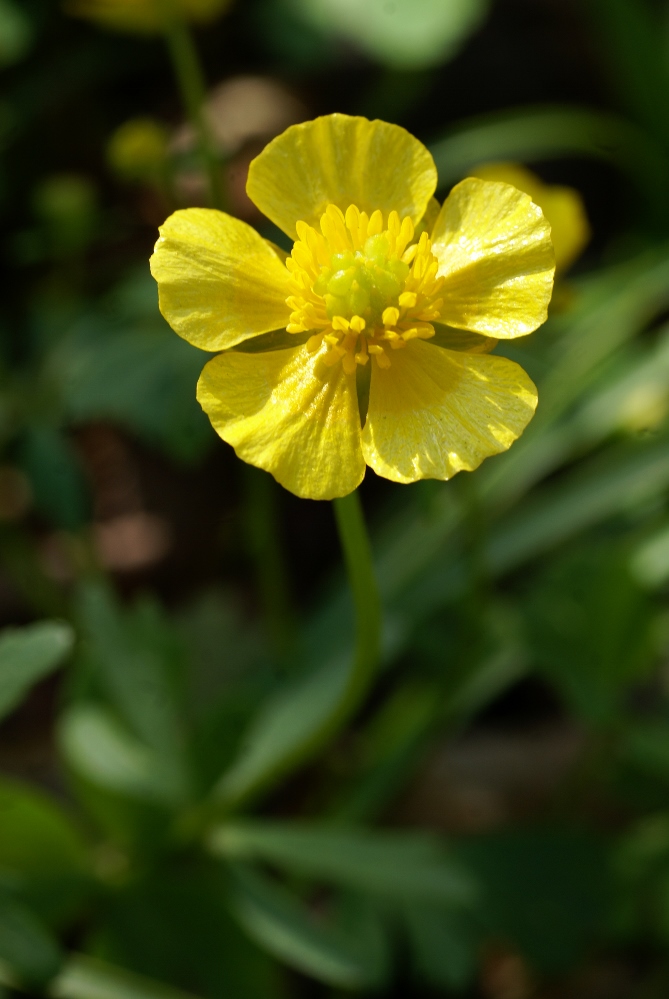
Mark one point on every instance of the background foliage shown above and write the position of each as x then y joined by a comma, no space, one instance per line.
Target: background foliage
494,822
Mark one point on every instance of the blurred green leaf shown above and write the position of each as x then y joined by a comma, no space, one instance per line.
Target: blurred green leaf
98,747
529,134
444,947
390,865
124,363
401,33
546,891
28,948
283,730
130,655
173,923
83,977
43,856
288,929
591,630
27,655
56,476
15,32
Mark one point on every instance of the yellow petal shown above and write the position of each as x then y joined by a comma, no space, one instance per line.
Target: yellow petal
494,249
219,282
562,206
280,415
435,412
341,160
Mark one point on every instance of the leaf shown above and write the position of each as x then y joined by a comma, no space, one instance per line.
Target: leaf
98,747
546,891
130,654
282,730
405,33
125,364
56,476
390,865
445,948
83,977
283,924
15,33
528,134
26,946
27,655
590,627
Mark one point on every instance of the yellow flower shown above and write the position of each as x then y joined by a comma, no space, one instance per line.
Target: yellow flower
359,297
142,16
562,207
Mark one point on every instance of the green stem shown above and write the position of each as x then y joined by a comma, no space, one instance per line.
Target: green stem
357,553
190,79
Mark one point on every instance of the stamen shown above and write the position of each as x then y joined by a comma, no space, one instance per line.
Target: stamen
356,285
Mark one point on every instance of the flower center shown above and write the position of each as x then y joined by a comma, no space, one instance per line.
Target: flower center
361,288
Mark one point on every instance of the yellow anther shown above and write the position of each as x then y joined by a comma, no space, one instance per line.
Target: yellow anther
424,332
408,299
357,323
348,363
374,348
314,342
383,360
391,316
295,328
332,339
339,323
361,357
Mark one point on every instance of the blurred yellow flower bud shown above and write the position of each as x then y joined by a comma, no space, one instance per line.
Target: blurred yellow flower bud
138,149
562,207
143,16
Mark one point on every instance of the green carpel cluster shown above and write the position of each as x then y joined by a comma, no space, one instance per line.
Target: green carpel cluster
362,283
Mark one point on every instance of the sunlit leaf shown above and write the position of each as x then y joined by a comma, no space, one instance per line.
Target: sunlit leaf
402,33
29,654
391,865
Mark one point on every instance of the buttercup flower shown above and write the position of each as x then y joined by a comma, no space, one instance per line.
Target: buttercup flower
362,306
563,208
142,16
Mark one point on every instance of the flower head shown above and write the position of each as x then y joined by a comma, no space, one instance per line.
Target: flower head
384,295
563,208
142,16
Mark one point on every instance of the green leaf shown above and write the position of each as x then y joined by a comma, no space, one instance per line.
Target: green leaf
285,926
445,949
590,627
83,977
528,134
389,865
56,477
546,891
26,946
130,653
15,33
282,729
405,34
27,655
99,748
127,365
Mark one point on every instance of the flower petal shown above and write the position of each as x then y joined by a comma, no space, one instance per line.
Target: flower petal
563,208
494,249
435,412
280,415
341,160
219,282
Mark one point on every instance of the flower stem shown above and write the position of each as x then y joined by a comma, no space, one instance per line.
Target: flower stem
190,78
357,553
